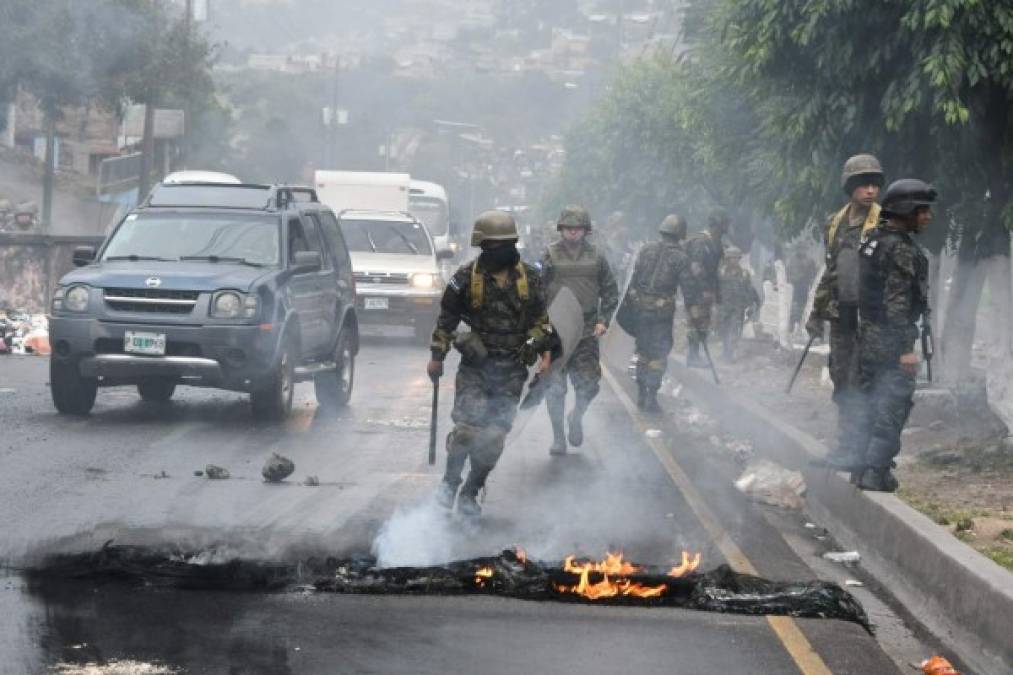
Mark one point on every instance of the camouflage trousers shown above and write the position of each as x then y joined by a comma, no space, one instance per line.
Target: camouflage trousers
653,345
889,397
851,427
730,329
584,372
698,328
485,404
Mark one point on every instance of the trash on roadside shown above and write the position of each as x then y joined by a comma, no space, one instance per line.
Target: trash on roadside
216,472
771,483
842,556
937,665
810,526
741,450
277,468
311,481
853,582
653,433
198,473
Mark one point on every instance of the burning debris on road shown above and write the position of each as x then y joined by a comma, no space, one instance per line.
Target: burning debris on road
613,581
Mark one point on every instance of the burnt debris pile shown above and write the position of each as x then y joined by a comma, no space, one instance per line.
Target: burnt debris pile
510,574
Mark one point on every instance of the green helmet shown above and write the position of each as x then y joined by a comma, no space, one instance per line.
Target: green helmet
494,226
906,195
674,226
574,216
859,170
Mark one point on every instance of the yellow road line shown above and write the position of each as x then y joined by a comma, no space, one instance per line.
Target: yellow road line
785,627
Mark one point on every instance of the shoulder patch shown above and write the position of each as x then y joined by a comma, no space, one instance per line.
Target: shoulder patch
455,283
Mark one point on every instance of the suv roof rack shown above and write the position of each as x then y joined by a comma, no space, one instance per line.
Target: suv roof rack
253,196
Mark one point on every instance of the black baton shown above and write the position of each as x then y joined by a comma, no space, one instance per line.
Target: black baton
432,421
798,368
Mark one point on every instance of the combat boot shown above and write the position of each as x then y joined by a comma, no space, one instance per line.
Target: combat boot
467,500
468,506
555,408
456,456
445,494
575,422
651,405
878,479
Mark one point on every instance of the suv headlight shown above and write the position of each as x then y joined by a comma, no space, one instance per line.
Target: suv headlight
233,305
72,299
423,281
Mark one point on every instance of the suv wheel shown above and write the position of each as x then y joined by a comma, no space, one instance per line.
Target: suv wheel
157,391
272,399
334,389
72,394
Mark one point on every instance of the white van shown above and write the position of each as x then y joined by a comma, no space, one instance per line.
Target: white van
428,202
363,190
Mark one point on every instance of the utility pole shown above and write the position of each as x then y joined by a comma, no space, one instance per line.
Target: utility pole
332,131
187,108
50,170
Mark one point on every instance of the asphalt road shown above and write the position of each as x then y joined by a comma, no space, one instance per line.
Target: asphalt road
127,473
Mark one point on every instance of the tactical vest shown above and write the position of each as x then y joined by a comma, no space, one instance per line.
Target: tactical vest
842,249
498,338
659,270
874,271
579,274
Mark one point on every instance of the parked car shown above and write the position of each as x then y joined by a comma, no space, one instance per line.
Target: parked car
397,272
240,287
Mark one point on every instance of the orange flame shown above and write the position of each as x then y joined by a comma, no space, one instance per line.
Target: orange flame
688,565
481,575
610,586
522,555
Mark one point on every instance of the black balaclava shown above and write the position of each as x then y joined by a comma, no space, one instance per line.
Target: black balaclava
498,258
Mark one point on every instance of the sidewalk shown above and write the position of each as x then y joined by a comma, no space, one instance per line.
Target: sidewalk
960,595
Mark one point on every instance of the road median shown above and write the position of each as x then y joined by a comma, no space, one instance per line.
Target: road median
957,593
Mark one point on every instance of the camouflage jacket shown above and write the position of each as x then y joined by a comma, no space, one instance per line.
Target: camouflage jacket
504,318
661,268
839,236
701,284
894,281
737,291
588,275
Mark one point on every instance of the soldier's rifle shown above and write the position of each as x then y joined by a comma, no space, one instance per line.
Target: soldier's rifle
801,361
927,347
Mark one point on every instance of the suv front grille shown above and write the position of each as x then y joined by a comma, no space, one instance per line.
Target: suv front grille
381,278
151,300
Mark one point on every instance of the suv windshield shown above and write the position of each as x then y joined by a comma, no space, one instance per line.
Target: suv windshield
432,212
386,236
171,236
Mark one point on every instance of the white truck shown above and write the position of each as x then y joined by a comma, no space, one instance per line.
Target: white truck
363,190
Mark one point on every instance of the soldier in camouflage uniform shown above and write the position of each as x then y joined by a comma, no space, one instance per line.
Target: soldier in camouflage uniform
503,302
660,268
894,296
701,289
836,299
575,263
738,299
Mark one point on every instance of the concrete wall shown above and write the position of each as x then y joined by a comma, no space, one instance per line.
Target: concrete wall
31,264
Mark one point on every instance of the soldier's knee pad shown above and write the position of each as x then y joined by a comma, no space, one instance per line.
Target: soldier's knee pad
463,438
489,446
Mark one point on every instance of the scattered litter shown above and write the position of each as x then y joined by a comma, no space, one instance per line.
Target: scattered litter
653,433
842,556
277,468
937,665
670,516
810,526
311,481
771,483
114,667
216,472
677,391
741,450
198,473
853,582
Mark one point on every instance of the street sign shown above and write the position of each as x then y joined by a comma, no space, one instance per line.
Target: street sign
169,123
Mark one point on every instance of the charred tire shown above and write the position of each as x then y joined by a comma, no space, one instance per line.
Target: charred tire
272,399
334,389
72,394
156,391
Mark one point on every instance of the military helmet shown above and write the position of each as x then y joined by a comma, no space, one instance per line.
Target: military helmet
733,253
861,169
494,226
574,216
904,196
673,225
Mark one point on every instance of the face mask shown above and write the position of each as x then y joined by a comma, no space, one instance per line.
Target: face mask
499,258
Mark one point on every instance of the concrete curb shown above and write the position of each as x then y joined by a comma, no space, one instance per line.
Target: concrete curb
957,593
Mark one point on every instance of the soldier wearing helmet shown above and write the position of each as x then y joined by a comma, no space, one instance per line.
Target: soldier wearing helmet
502,300
894,297
648,309
575,263
836,298
702,288
739,300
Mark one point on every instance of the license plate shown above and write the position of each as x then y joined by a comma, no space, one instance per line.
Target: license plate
144,343
377,303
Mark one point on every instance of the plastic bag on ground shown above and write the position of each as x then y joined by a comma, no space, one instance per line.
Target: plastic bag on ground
771,483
